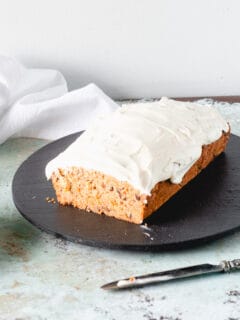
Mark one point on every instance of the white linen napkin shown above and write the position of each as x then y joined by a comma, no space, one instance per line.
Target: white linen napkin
36,103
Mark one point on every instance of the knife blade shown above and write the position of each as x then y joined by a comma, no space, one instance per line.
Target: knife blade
158,277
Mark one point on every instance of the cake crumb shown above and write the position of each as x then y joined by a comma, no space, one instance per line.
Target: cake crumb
145,227
146,234
50,200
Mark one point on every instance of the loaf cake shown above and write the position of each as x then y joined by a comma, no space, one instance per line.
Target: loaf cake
129,163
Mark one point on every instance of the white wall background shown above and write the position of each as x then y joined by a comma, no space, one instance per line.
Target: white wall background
130,48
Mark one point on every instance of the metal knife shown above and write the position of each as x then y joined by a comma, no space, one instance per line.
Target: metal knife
223,266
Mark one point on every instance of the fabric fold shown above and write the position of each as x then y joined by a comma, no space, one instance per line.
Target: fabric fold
36,103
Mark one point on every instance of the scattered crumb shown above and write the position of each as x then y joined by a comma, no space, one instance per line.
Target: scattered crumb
145,226
146,234
50,200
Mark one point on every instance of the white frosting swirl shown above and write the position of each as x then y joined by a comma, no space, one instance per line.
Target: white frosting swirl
144,143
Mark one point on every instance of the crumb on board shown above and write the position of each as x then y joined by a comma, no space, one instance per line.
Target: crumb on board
50,200
145,227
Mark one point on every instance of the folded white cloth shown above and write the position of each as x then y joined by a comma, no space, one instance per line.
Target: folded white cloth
36,103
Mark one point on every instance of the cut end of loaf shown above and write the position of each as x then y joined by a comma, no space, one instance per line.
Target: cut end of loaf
94,191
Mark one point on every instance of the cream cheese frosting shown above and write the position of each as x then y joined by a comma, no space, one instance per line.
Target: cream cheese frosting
144,143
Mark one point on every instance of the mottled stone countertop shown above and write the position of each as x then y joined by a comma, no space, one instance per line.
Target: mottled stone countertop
42,277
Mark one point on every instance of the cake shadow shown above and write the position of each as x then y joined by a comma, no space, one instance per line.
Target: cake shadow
194,197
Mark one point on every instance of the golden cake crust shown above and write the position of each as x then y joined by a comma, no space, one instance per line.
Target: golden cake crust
94,191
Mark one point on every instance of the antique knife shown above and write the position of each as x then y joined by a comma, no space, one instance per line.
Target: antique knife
223,266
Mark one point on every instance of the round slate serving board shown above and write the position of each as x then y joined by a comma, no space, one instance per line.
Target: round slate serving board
205,209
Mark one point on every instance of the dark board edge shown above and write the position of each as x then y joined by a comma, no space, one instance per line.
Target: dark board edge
229,99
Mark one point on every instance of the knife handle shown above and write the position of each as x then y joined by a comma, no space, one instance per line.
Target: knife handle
231,265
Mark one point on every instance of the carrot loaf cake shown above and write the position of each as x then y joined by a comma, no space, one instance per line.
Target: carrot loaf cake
127,164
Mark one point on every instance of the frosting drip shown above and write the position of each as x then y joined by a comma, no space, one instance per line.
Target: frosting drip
145,143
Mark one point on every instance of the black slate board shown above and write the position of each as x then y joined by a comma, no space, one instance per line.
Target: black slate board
206,209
